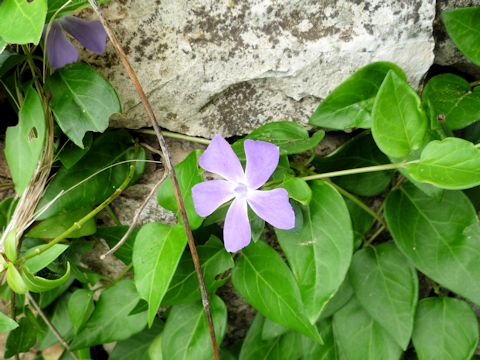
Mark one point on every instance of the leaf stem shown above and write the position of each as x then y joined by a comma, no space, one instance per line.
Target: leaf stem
174,135
359,203
357,170
169,167
77,225
375,235
113,216
50,325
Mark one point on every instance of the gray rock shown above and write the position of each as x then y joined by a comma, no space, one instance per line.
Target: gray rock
228,66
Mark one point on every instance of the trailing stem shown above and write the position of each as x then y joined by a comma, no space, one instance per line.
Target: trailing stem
169,167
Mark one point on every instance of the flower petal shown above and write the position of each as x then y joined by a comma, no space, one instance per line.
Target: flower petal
60,51
262,160
90,34
273,207
220,159
236,231
209,195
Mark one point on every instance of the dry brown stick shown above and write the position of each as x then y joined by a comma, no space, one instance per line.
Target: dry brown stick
134,219
52,327
171,170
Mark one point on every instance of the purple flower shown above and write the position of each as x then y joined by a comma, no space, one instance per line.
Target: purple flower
60,51
272,206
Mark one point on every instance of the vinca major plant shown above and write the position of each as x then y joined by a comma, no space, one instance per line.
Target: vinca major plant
371,251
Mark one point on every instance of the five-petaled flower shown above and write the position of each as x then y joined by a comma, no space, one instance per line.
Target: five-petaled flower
60,51
242,186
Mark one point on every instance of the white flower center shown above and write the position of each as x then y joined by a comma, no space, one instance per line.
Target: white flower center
241,191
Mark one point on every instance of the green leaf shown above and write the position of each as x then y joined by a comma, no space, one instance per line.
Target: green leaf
326,351
186,334
22,21
113,234
451,163
156,254
15,280
451,97
111,320
24,142
290,137
3,45
48,297
74,5
399,122
82,100
137,347
62,323
71,153
184,285
362,221
339,300
284,347
188,174
350,104
7,206
298,190
39,284
93,179
441,237
56,225
21,339
361,151
271,329
386,285
80,307
320,251
360,337
42,260
6,323
445,328
8,60
10,245
463,27
264,280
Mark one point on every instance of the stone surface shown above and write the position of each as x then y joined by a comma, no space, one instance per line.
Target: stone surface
227,66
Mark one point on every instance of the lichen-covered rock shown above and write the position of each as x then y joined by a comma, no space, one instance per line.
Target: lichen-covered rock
227,66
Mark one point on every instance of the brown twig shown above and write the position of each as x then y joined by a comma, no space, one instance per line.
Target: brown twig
169,167
49,324
135,219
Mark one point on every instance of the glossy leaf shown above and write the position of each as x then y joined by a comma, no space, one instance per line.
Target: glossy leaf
56,225
326,351
156,254
48,297
450,97
463,27
298,190
24,142
80,307
360,337
20,339
399,122
10,245
6,323
71,153
452,163
361,151
137,347
188,174
441,237
186,334
320,251
290,137
113,234
386,285
339,300
271,329
111,320
82,100
265,282
350,104
93,179
445,328
15,280
39,284
42,260
22,21
184,287
283,347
